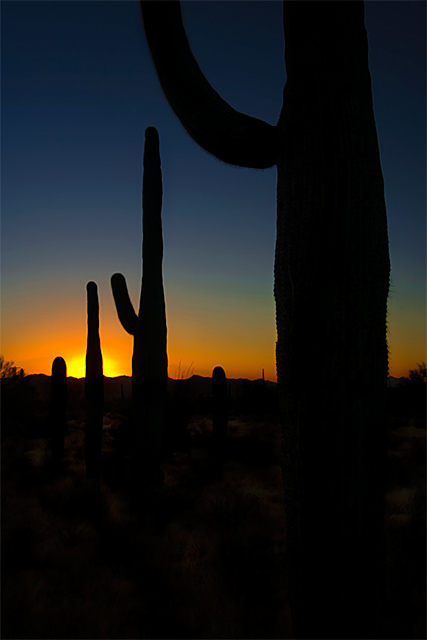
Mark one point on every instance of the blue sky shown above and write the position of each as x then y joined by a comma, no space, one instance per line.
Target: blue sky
78,90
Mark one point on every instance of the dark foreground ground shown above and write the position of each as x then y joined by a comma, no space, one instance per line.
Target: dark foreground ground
203,558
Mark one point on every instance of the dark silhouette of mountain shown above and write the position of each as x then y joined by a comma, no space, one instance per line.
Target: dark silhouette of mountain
196,386
116,388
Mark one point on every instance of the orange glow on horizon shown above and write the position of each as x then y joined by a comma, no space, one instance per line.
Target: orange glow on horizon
117,361
242,340
194,347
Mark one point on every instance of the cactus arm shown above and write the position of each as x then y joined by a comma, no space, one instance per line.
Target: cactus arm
229,135
125,310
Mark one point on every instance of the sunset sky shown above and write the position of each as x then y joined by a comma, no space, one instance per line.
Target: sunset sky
78,91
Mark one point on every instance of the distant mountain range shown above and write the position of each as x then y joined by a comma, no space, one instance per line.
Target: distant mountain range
116,388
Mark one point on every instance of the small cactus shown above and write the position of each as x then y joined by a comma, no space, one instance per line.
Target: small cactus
59,403
219,411
94,386
149,361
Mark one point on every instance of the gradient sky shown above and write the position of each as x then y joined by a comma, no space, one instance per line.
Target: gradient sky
78,91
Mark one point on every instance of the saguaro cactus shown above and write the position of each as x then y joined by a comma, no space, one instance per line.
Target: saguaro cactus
149,361
219,411
331,286
59,404
94,386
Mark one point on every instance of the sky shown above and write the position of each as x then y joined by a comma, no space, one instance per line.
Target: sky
78,90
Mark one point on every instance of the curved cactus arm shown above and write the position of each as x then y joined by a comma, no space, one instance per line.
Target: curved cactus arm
125,310
229,135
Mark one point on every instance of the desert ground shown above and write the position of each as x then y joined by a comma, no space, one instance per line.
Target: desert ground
203,556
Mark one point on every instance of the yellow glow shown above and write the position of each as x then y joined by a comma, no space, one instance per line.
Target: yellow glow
76,367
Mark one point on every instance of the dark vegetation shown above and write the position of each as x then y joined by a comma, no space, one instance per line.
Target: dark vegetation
201,557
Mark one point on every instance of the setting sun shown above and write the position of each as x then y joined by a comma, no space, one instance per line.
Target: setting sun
76,367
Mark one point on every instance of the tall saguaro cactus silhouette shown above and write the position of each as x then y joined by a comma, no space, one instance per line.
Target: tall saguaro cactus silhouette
149,361
331,286
94,386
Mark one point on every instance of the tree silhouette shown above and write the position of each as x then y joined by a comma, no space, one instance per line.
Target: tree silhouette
9,370
419,374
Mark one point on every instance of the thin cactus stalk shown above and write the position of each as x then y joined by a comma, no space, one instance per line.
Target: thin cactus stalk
331,286
94,386
149,361
219,411
59,405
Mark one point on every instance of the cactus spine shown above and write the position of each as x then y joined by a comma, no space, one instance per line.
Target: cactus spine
331,260
59,404
94,386
219,411
149,361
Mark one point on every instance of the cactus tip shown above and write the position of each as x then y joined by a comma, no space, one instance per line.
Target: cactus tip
116,278
218,372
59,366
151,132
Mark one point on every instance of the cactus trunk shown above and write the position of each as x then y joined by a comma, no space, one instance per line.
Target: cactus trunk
331,286
149,361
59,405
219,412
94,386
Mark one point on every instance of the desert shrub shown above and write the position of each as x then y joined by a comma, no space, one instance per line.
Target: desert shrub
407,401
406,562
231,509
419,451
19,403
